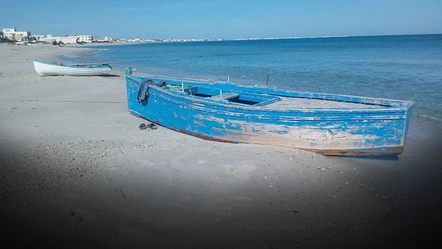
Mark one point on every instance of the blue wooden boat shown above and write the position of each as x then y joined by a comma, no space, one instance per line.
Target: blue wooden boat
329,124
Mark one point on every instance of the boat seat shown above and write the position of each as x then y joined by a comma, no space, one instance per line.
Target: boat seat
227,96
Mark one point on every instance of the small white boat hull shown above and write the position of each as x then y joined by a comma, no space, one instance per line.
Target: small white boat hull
50,68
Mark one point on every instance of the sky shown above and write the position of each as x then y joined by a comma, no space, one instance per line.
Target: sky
210,19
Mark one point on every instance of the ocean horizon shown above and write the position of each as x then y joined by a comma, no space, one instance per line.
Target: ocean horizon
405,67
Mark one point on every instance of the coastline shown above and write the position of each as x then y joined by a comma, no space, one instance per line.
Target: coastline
77,172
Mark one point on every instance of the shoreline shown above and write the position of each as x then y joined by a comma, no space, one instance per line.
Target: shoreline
422,107
77,172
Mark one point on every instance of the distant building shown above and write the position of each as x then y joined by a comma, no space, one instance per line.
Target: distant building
76,39
8,32
13,34
37,37
84,38
134,40
46,38
67,39
1,34
101,39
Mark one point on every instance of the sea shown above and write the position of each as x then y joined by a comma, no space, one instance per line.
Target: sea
405,67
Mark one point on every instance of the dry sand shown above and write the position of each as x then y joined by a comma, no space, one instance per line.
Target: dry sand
76,172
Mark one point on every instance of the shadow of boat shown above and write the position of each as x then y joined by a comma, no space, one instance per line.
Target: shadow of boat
377,157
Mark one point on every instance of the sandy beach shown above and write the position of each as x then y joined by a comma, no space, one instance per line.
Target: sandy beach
76,172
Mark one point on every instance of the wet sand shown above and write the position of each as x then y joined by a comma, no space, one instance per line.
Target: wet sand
76,172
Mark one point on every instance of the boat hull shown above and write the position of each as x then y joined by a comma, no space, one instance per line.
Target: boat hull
51,69
329,131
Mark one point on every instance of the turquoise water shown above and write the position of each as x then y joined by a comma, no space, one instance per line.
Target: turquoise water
398,67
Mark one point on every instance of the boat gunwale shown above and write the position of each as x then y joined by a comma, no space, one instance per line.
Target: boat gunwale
392,102
402,105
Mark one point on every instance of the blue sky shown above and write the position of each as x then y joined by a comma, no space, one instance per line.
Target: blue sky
223,18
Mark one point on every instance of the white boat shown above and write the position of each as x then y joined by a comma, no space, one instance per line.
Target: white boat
82,69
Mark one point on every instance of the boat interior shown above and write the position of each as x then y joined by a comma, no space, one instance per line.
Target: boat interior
265,100
214,94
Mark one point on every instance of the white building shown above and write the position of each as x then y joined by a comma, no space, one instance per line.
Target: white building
13,34
68,39
101,39
75,39
38,37
8,32
84,38
47,38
